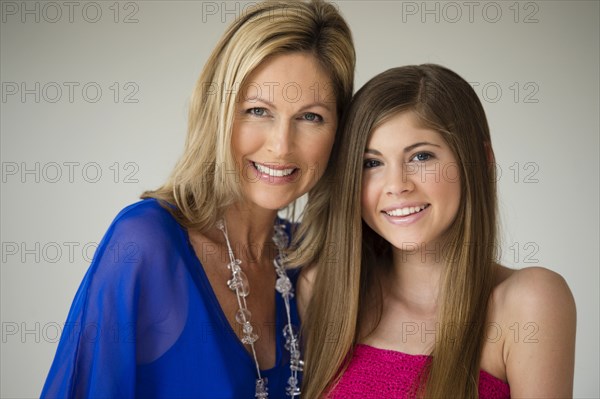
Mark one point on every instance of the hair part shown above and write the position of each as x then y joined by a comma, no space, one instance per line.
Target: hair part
347,296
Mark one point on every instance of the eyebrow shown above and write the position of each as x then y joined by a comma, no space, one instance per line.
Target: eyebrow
328,106
253,100
407,149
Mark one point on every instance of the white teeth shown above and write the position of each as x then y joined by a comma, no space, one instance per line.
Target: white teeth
406,211
273,172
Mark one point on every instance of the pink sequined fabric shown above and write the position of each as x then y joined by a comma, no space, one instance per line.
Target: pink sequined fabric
385,374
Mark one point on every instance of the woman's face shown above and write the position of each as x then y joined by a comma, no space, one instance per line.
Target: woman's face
411,187
283,130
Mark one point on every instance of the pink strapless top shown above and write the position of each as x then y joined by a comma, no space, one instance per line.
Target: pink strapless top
386,374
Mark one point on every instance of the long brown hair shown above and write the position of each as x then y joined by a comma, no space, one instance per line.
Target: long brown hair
199,187
349,265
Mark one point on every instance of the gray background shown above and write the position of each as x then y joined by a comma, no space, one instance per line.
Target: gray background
94,98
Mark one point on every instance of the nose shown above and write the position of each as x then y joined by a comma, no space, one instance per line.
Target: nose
400,179
280,140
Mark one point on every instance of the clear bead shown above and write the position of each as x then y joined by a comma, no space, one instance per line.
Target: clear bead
233,283
297,365
280,237
290,331
279,269
291,344
247,328
261,389
249,339
242,316
235,266
292,389
244,287
292,381
283,285
295,356
279,261
239,283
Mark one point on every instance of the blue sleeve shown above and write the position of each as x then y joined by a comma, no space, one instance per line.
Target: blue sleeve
99,351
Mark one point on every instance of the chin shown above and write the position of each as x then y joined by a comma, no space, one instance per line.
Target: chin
272,198
408,244
271,203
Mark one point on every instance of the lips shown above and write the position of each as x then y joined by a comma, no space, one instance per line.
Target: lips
272,173
273,170
405,211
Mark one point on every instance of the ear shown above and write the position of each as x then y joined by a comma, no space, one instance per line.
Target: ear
489,152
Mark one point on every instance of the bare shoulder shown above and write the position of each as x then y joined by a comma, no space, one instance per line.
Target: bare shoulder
304,288
531,290
535,311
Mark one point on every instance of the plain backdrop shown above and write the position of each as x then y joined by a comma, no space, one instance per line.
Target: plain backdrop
94,107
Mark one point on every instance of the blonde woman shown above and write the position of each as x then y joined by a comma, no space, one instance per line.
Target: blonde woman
188,295
409,301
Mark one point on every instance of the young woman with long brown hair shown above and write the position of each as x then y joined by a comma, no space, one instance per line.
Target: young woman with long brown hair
409,300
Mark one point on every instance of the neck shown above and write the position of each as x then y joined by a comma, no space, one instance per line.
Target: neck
251,231
415,278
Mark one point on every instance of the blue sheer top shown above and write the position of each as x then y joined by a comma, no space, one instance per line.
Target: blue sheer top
145,322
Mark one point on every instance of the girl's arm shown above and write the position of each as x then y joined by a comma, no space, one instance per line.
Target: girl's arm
539,346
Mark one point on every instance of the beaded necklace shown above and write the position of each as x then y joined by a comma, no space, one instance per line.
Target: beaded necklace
239,284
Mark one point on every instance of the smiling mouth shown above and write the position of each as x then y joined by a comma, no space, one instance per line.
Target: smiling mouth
273,172
409,210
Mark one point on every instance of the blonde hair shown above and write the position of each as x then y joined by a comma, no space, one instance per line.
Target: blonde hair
343,302
198,190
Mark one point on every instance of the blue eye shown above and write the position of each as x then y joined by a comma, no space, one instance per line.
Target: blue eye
257,111
422,157
370,163
312,117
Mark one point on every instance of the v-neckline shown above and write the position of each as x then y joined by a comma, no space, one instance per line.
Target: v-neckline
207,287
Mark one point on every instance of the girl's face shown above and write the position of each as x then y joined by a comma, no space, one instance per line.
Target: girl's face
283,129
410,187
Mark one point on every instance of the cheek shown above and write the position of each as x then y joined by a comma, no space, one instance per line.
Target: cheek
450,191
245,140
324,148
317,148
236,142
456,194
368,197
